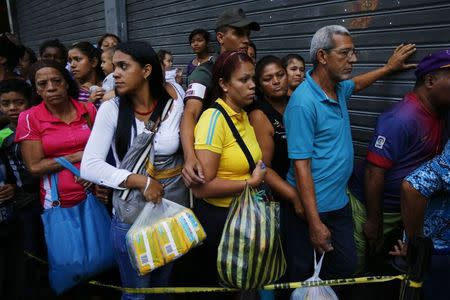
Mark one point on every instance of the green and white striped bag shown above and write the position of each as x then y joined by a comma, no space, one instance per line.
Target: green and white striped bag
250,254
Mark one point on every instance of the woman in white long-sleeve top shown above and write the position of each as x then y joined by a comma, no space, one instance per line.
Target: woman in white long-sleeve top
119,124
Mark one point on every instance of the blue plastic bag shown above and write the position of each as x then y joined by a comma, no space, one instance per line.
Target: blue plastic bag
77,238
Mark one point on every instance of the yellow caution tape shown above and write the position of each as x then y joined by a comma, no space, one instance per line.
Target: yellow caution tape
345,281
415,284
35,257
165,290
277,286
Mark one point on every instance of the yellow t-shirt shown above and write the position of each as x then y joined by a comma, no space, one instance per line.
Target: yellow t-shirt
213,133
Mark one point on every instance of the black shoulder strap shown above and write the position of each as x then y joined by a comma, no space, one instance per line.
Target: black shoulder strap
237,136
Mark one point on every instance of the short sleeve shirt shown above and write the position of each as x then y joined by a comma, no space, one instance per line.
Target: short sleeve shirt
58,139
108,83
213,133
83,95
429,179
406,136
318,128
200,82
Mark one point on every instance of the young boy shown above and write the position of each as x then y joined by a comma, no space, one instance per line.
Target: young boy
19,199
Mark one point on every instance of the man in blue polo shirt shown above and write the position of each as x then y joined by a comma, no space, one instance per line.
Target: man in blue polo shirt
321,150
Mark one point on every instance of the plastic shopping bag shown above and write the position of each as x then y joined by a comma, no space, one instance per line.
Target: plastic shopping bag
250,254
162,233
316,292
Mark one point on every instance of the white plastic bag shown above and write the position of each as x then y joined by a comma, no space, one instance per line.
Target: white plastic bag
162,233
317,292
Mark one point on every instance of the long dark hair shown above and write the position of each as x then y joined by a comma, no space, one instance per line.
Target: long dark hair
224,66
92,53
260,65
72,90
142,53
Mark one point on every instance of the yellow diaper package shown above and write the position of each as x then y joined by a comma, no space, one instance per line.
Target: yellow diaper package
193,232
162,233
144,247
171,241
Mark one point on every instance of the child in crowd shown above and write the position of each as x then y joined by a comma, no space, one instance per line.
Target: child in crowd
198,40
19,200
108,69
171,75
85,62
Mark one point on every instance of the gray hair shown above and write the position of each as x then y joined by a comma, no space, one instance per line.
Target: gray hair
323,39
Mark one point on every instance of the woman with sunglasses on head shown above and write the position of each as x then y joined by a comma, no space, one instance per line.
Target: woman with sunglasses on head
141,99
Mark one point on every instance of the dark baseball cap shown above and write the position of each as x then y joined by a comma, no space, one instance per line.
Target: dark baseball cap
432,62
235,17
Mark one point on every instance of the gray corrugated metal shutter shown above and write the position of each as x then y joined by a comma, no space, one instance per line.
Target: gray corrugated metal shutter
68,20
287,27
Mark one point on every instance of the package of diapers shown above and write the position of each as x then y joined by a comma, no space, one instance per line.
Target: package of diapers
192,231
162,233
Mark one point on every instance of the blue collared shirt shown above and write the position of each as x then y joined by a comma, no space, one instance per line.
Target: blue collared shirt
318,128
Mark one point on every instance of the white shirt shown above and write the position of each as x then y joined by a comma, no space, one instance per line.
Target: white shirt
170,75
93,165
108,83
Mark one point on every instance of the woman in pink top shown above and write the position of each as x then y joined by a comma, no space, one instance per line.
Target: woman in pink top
58,126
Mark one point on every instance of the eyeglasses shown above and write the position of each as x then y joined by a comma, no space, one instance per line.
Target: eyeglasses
348,53
43,84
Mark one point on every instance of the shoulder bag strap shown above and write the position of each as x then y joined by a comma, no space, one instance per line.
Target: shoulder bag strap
54,179
237,136
153,125
68,165
54,190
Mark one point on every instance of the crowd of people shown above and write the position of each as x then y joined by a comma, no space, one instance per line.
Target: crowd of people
90,103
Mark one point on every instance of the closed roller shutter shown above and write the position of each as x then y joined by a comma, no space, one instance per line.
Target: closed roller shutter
68,20
287,27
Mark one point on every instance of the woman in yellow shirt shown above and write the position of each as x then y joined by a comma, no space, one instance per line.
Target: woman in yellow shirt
226,168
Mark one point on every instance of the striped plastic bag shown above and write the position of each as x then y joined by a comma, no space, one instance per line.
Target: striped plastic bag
250,254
